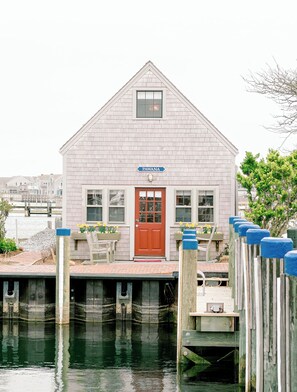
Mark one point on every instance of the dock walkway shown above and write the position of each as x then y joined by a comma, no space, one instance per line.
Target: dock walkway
25,264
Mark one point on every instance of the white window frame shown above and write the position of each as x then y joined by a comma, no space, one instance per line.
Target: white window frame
176,207
105,202
194,203
116,206
86,202
213,206
163,90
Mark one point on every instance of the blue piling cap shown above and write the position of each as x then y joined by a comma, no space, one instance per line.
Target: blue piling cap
63,232
254,236
189,236
291,263
231,219
275,248
190,231
235,220
242,229
191,244
239,223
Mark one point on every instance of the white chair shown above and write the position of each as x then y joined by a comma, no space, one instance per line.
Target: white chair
100,251
206,248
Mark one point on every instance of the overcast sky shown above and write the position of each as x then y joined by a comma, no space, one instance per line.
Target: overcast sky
61,61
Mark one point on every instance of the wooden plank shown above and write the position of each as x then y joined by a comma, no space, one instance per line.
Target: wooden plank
219,324
207,314
215,279
211,339
193,357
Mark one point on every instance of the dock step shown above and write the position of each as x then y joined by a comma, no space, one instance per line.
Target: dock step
213,295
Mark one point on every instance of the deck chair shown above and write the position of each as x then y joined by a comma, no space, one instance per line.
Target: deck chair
206,248
100,251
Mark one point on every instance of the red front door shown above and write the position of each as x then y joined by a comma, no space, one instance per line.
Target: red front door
150,222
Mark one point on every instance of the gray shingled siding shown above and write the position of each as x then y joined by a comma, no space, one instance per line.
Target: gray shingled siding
111,149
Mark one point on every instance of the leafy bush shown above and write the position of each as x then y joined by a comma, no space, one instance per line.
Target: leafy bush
7,245
5,207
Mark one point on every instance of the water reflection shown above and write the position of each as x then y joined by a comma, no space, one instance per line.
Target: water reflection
92,357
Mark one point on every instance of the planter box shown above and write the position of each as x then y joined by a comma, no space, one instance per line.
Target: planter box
101,236
76,236
216,237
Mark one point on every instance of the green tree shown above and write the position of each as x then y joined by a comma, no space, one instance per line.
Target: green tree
271,186
5,207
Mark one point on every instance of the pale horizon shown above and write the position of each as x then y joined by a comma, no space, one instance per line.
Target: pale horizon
62,63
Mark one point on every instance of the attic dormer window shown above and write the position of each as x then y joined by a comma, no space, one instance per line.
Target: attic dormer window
149,104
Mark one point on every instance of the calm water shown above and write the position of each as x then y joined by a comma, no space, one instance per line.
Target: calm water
97,357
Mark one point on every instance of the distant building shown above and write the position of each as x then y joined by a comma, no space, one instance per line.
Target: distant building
37,188
243,204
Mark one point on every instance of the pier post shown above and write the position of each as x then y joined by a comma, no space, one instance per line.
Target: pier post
187,288
240,284
253,239
232,219
245,312
236,223
291,320
273,251
63,277
49,209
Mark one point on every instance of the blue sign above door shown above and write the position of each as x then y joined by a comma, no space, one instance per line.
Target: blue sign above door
151,169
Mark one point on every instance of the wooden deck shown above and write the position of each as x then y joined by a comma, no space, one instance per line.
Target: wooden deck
30,264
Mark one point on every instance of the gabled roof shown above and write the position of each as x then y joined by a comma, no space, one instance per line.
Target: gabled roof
149,66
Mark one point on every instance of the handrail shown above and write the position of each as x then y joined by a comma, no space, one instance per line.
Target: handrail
199,272
207,248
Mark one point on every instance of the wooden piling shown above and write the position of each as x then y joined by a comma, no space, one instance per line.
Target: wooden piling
290,269
265,296
63,277
253,239
187,291
234,252
273,251
245,311
231,276
239,297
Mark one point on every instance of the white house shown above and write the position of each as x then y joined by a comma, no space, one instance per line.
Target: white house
145,161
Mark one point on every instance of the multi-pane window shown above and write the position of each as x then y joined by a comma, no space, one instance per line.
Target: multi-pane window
150,206
206,206
94,205
149,104
116,208
183,210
